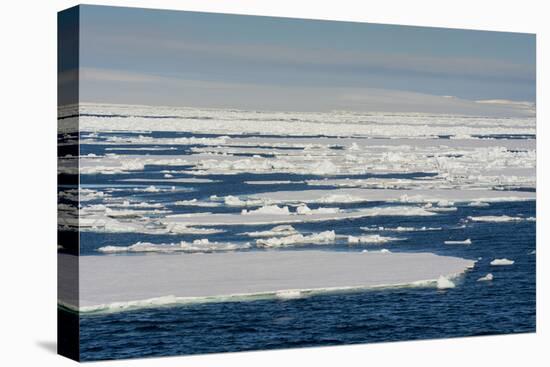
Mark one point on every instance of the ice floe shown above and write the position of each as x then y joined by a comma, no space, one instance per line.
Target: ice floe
400,229
118,283
201,245
478,204
230,121
282,230
176,228
371,239
170,179
303,209
486,278
297,239
195,202
149,140
82,194
154,188
278,215
102,218
502,262
268,209
123,203
500,218
441,198
231,200
464,242
273,182
324,167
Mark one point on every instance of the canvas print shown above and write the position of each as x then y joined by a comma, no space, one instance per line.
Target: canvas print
231,183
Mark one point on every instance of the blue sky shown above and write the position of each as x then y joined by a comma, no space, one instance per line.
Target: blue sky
160,57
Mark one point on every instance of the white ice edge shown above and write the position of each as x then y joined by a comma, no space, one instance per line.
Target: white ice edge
171,300
118,283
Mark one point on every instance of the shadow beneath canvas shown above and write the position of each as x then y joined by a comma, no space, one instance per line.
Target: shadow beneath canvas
48,345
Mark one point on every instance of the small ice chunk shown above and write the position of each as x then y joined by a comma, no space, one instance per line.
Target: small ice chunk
486,278
151,189
445,203
231,200
502,262
203,241
340,198
465,242
372,239
500,218
282,230
297,239
478,204
303,210
442,209
324,167
268,209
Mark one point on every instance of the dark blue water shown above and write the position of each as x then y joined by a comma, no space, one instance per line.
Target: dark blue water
505,305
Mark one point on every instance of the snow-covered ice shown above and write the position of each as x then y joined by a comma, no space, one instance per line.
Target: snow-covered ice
110,283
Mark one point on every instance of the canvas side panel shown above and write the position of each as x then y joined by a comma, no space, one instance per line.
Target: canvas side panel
67,182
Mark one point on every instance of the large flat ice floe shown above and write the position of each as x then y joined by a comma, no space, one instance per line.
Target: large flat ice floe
111,283
355,195
283,215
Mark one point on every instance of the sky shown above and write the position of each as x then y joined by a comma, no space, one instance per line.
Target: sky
159,57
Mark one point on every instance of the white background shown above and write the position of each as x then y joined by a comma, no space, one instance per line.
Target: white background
28,179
